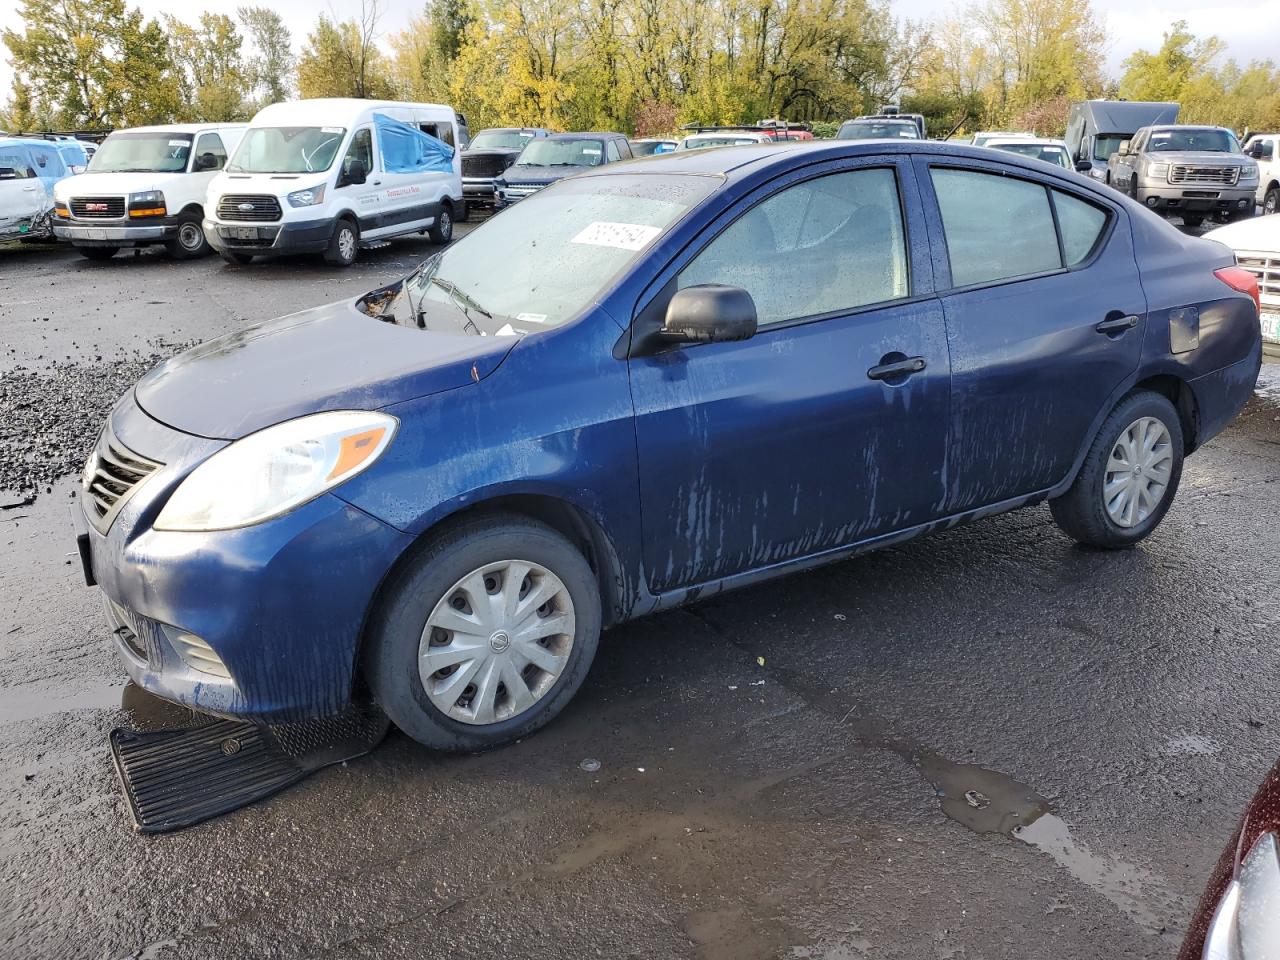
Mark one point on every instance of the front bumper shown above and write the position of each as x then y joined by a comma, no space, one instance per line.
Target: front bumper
270,239
83,234
479,191
281,604
1205,199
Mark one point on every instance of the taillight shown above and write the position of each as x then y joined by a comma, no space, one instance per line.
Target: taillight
1241,280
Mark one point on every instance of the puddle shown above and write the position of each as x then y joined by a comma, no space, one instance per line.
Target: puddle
1269,382
1126,885
1190,745
31,701
985,801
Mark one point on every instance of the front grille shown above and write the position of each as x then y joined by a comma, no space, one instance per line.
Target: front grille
116,475
124,627
248,207
1266,267
485,165
1186,173
517,191
97,208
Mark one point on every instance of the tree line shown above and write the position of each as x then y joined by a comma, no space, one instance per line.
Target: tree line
639,66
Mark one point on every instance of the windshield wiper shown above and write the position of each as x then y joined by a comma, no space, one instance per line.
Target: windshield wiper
462,300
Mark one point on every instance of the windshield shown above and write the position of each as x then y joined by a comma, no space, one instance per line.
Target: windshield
547,258
1213,141
697,143
874,130
500,140
142,153
1048,152
562,153
1105,144
287,149
647,148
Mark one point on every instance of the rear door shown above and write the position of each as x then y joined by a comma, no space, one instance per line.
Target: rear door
829,425
1045,316
22,193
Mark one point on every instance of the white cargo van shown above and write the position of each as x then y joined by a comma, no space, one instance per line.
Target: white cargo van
144,186
330,175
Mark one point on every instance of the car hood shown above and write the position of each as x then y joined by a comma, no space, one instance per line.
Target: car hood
520,173
334,357
1211,157
1261,234
98,184
492,152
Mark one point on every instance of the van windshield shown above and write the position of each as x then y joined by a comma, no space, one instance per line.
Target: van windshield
1105,144
287,149
156,152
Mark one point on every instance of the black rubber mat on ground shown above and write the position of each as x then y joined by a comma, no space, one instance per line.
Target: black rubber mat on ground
179,777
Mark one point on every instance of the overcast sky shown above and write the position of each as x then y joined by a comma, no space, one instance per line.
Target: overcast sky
1251,28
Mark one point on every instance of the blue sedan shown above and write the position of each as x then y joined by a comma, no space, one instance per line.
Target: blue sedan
639,387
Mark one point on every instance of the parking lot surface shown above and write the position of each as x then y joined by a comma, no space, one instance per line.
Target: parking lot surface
985,743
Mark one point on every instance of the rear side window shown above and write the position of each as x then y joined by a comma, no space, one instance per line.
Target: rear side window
1081,224
996,227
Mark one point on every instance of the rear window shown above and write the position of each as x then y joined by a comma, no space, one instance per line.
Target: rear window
1001,228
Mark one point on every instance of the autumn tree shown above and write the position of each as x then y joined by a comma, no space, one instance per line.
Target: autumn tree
213,78
271,62
342,59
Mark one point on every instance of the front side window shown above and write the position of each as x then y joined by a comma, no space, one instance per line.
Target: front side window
287,149
829,244
48,162
361,149
15,164
996,227
210,153
611,151
562,153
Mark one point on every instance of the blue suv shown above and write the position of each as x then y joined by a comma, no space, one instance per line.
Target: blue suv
641,386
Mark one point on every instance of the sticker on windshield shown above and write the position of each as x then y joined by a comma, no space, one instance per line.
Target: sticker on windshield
624,236
179,143
591,151
531,317
330,129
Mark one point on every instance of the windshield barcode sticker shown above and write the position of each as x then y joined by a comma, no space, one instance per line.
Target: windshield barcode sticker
624,236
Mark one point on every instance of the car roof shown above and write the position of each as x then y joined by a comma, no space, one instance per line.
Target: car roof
333,111
1040,141
181,127
1183,126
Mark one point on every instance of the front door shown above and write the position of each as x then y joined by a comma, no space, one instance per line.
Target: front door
1045,317
22,192
364,198
829,425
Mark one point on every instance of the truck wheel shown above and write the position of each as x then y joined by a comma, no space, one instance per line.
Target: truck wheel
190,241
98,253
239,259
344,244
1192,220
442,230
1129,476
1133,188
464,212
485,636
1271,202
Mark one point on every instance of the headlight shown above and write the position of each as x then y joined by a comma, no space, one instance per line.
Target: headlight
1249,171
271,472
1246,925
151,198
1157,170
306,198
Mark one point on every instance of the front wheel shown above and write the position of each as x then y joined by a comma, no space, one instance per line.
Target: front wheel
190,241
1129,476
238,259
1192,220
485,636
1271,202
442,230
343,244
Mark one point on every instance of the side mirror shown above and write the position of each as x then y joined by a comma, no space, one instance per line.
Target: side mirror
356,173
1124,148
709,313
1084,166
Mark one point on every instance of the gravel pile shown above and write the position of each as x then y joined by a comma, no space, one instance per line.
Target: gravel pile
50,418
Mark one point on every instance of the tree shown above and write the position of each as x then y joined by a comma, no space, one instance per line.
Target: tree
270,66
342,60
20,115
212,76
1163,75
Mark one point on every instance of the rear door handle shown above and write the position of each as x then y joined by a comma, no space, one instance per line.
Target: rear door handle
899,368
1118,325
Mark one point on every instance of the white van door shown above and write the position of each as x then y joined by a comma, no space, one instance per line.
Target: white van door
22,192
406,196
363,199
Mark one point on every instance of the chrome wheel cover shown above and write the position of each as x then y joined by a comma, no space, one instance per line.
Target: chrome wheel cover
1138,472
496,642
347,243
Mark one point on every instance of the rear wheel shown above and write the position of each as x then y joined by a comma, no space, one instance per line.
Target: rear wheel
442,230
190,241
485,636
344,244
98,253
239,259
1129,476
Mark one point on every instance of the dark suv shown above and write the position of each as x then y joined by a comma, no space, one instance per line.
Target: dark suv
560,155
490,153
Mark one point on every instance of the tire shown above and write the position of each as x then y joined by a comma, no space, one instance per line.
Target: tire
1271,202
344,244
238,259
442,230
1133,189
1085,512
190,242
487,548
1192,220
464,213
98,253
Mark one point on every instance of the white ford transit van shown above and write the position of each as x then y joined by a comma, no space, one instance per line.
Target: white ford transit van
329,175
145,186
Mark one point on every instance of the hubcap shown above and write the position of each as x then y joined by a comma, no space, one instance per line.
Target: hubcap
190,236
1138,472
446,224
1271,203
496,642
347,243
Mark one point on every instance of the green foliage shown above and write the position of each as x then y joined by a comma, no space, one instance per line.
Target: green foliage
825,129
340,60
213,78
270,67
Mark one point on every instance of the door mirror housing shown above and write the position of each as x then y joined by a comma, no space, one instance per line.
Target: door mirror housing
1260,150
356,173
1124,148
1084,166
205,161
709,313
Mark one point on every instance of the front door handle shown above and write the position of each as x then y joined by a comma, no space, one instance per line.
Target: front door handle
1117,324
898,368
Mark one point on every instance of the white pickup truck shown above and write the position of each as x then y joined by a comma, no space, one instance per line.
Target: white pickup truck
1256,244
1265,148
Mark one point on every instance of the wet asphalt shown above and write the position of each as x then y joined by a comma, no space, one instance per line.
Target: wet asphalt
986,743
